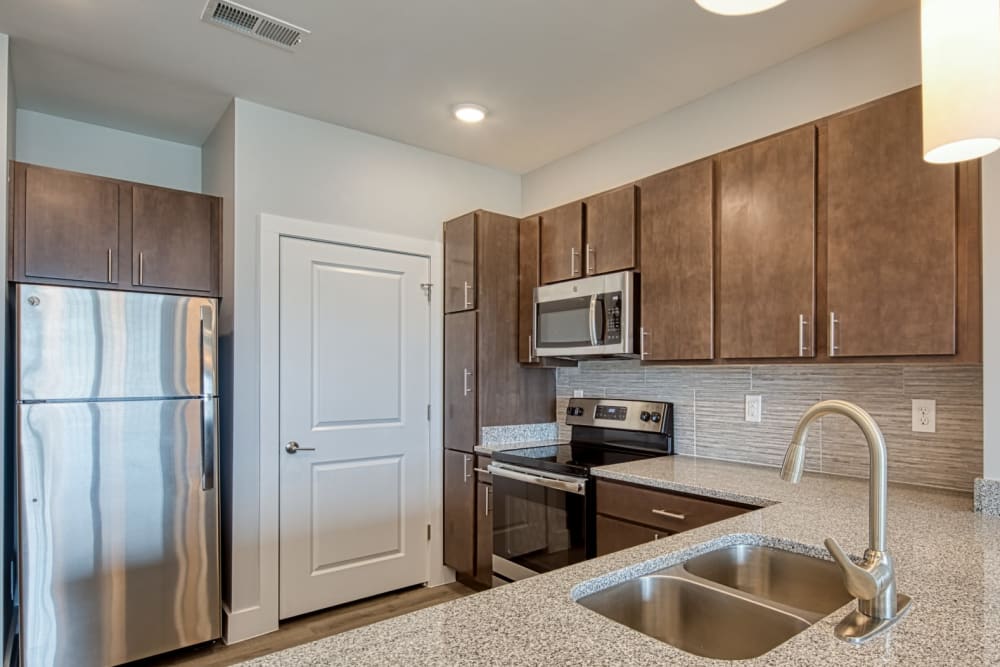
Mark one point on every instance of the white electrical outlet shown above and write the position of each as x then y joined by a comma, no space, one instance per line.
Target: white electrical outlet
578,393
924,416
754,408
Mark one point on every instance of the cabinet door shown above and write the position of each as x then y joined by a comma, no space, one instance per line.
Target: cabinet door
459,512
768,247
460,264
175,240
615,535
677,281
460,381
68,224
484,534
562,243
527,281
611,232
891,226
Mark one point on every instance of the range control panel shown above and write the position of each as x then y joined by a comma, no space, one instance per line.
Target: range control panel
631,415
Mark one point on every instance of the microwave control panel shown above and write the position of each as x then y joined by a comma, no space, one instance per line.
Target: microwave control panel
613,318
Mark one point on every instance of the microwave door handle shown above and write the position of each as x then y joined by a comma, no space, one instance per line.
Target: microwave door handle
593,320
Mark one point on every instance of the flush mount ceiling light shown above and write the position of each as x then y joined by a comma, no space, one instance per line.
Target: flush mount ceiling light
738,7
469,113
960,59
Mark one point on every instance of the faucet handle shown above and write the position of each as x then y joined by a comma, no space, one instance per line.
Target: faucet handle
860,582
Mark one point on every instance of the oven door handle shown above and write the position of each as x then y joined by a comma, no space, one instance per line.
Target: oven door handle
593,320
578,488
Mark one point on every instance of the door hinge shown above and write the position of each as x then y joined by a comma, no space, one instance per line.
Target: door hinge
428,532
426,287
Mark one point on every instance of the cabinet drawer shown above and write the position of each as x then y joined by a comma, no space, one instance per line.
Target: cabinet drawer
615,534
661,509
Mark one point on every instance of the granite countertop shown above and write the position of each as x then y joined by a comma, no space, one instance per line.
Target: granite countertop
947,558
504,446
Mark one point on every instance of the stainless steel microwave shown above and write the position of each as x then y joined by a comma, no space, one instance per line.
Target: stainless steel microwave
587,317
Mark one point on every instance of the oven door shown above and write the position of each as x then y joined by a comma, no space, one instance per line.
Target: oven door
539,522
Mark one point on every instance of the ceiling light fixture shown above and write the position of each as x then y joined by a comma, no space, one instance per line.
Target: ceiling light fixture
960,59
469,113
738,7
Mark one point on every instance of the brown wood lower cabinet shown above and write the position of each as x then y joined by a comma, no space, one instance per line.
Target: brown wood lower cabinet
614,534
459,512
628,515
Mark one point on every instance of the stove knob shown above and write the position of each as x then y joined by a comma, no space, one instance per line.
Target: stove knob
570,411
655,417
579,412
644,416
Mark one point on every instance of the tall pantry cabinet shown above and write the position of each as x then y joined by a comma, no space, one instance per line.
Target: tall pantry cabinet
484,385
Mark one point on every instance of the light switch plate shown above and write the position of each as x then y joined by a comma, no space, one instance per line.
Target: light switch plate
578,393
754,408
924,416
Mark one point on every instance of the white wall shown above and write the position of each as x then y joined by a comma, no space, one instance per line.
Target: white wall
7,498
865,65
52,141
218,169
292,166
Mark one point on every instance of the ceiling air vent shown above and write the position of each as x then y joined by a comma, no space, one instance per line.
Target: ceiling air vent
250,22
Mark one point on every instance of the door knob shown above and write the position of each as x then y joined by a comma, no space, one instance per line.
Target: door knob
293,447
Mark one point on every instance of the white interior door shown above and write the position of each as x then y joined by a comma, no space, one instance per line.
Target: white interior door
354,385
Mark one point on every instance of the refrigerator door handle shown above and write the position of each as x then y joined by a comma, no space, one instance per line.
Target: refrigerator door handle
208,349
209,441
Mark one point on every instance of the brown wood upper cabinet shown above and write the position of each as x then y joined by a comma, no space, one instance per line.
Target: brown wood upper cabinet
611,231
677,286
562,243
527,280
460,264
175,240
767,247
67,227
88,231
891,236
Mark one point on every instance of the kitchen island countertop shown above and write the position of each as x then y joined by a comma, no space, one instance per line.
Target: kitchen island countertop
947,560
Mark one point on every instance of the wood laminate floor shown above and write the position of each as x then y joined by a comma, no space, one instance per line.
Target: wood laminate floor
310,627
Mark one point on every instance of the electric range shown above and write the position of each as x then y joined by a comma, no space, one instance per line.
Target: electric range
544,511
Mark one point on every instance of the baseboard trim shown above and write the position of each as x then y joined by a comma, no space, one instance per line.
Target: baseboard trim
245,624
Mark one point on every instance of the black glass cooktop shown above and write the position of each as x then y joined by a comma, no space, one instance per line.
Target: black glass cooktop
570,458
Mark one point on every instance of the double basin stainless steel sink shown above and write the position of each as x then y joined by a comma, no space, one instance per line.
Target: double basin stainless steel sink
735,603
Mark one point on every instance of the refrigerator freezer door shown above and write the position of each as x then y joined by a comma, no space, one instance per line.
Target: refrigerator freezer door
119,542
81,344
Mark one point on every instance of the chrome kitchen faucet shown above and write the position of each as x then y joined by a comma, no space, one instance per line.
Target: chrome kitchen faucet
873,582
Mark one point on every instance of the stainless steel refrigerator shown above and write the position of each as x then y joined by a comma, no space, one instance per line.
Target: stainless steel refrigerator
117,439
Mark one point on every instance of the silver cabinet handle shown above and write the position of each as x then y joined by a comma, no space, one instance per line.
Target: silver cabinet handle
834,348
467,288
482,470
489,490
573,254
466,460
110,267
803,346
466,387
141,262
531,349
293,447
642,343
670,515
590,253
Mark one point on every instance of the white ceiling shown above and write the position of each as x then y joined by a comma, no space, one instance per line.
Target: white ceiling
557,75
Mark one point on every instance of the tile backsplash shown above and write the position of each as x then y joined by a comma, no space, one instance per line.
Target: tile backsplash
709,413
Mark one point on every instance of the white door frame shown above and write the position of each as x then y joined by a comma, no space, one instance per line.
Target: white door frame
272,229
